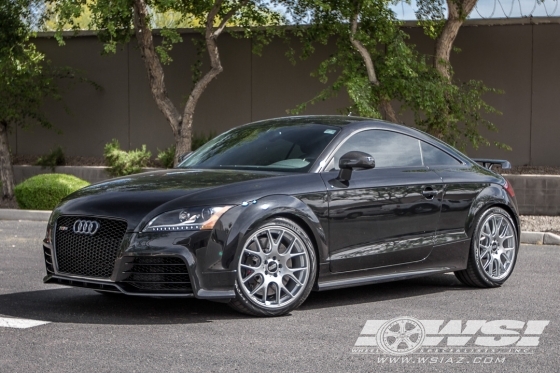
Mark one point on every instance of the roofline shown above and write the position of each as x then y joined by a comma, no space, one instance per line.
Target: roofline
406,24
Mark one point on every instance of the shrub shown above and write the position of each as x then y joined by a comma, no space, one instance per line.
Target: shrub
44,192
167,156
52,159
121,162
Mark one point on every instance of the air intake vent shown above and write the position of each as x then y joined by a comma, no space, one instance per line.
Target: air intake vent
158,275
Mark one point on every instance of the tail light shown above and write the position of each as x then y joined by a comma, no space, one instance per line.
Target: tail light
509,189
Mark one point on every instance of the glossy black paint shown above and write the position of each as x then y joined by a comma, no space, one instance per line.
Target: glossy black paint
382,224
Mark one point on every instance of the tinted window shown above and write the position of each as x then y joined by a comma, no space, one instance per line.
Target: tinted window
389,149
276,146
435,157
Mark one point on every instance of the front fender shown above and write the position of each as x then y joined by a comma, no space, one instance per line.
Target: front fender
241,221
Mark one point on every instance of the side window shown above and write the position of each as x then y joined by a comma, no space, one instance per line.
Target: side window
435,157
389,149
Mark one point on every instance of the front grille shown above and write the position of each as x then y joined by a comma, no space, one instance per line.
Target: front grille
158,274
84,254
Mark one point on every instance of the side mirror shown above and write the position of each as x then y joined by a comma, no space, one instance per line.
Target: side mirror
184,156
354,160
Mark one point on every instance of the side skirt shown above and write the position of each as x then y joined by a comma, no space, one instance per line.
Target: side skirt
444,258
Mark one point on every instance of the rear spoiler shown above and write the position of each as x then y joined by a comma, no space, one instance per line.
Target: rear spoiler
488,163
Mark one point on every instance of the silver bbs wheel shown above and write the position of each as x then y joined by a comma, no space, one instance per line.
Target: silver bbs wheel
274,267
496,247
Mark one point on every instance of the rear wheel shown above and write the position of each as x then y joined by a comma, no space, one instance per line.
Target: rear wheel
276,269
494,249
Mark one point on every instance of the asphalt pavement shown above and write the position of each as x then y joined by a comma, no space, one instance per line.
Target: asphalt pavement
88,332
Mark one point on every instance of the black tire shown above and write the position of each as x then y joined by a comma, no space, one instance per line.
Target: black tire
474,275
245,305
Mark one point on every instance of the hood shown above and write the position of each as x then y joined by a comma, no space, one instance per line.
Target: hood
132,197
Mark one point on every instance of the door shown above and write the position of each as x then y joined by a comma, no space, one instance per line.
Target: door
387,215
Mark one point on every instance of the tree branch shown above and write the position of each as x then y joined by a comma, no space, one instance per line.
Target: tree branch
211,35
228,16
458,11
362,50
153,66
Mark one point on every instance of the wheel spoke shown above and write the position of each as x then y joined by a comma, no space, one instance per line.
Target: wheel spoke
265,291
252,275
416,330
294,278
278,295
286,291
257,288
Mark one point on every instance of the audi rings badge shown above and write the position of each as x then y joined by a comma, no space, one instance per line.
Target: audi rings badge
86,227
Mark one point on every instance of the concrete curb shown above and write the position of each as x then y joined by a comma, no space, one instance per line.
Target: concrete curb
540,238
533,238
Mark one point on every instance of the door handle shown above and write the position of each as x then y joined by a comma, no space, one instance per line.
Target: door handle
429,193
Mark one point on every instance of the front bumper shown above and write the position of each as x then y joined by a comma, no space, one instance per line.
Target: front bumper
201,252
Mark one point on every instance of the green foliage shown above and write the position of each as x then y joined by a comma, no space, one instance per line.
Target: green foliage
52,159
44,192
121,162
199,139
452,111
26,77
114,19
167,156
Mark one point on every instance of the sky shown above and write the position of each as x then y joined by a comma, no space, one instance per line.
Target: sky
494,9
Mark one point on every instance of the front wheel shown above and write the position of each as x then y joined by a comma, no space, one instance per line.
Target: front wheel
494,249
276,269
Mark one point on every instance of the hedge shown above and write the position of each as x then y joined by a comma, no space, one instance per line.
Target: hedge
44,192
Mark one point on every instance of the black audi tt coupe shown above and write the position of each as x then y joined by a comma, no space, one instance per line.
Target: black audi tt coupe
266,212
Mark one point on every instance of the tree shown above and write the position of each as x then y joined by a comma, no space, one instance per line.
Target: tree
444,30
26,80
377,66
117,20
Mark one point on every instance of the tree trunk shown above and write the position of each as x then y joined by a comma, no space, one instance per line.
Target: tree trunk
6,171
153,67
390,114
458,11
181,125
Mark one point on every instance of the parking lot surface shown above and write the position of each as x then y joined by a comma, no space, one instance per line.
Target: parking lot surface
83,331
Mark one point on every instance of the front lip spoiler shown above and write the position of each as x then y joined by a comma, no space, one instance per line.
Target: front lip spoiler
104,286
111,287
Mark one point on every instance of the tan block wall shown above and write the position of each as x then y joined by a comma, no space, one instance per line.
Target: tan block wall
521,59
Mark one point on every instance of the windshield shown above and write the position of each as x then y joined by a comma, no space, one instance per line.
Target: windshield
270,146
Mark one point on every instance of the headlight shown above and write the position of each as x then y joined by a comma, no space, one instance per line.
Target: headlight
189,219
